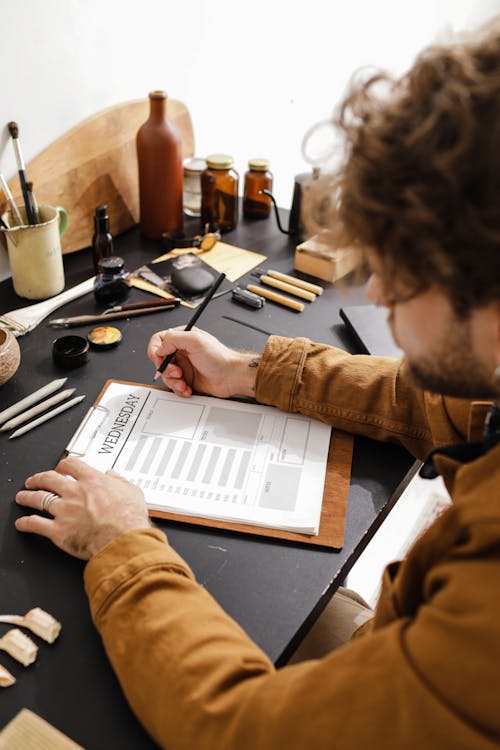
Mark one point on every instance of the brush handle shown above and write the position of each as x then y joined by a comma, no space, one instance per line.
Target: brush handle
22,178
33,203
30,215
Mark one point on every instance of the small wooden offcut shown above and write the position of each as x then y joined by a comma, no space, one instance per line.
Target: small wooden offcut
94,163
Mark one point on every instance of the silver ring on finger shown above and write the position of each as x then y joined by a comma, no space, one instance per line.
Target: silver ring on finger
47,501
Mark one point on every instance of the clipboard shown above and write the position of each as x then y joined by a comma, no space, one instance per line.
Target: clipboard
335,495
333,510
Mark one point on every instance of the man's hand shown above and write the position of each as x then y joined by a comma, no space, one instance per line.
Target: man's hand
203,364
90,509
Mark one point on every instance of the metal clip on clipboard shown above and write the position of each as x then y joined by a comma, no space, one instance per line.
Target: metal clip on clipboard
87,430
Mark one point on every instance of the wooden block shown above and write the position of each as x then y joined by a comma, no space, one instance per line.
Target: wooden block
29,731
317,257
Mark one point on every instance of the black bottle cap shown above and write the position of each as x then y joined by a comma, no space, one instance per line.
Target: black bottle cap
101,211
70,351
111,264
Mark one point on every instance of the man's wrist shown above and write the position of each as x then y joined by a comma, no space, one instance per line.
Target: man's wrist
245,374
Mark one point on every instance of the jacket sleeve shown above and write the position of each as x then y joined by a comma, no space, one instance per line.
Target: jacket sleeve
362,394
195,680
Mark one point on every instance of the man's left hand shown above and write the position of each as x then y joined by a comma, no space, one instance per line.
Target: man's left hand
88,509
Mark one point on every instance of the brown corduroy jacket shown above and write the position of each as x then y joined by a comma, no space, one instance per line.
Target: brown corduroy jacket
426,675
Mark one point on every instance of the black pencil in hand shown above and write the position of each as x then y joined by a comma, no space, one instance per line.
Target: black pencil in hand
192,322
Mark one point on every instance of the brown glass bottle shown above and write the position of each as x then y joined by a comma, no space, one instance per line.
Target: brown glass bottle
159,157
219,193
258,177
102,241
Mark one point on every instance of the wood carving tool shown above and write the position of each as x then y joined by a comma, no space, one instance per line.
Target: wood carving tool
275,297
286,287
314,288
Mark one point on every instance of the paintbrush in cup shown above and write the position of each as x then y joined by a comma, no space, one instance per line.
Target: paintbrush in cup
14,132
12,205
33,202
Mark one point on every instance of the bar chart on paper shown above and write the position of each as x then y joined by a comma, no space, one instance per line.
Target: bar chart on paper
210,457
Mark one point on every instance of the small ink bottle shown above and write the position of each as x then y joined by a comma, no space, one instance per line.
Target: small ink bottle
258,177
102,241
110,285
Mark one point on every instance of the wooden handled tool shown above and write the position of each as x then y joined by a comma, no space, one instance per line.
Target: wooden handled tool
275,297
290,288
314,288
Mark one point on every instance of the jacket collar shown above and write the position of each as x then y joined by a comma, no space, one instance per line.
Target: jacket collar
468,451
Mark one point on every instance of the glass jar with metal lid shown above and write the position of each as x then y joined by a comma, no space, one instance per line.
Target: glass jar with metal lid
219,193
191,196
257,205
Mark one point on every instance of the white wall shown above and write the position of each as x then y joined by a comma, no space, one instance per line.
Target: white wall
255,76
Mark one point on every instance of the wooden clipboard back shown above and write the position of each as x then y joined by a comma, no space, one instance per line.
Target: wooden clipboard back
333,512
335,497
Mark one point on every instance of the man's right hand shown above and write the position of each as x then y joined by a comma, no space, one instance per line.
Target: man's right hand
203,364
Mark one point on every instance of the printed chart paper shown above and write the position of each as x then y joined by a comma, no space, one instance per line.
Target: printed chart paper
209,457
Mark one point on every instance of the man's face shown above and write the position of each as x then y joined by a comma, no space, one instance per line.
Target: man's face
445,354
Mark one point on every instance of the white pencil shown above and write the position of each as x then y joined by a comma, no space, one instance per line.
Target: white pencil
46,417
38,409
33,398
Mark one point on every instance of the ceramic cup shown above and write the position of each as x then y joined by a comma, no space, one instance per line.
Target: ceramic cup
35,254
10,355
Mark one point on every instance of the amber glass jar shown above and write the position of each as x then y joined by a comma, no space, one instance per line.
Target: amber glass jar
258,177
159,157
219,193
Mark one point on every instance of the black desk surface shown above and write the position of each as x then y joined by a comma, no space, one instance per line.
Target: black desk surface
275,590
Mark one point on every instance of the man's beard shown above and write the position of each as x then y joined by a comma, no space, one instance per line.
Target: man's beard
426,375
452,369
